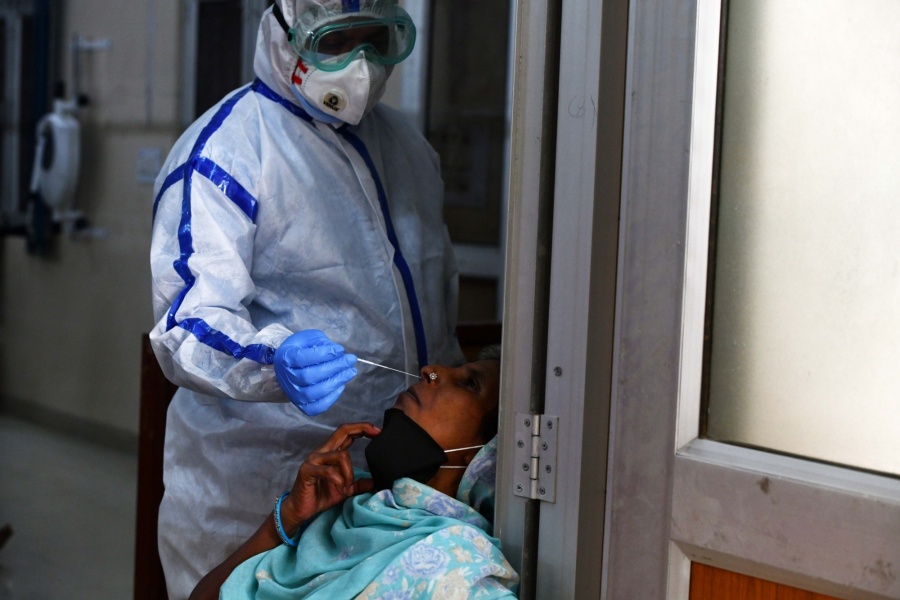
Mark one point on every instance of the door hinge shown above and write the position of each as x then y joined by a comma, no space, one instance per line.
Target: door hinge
535,456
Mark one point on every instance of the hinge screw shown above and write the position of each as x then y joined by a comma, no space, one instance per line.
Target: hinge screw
543,491
519,488
549,424
557,371
544,446
548,468
527,422
525,467
520,444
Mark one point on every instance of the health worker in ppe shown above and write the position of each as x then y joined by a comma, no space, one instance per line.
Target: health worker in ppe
297,224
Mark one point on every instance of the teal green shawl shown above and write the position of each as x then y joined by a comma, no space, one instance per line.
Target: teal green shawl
407,542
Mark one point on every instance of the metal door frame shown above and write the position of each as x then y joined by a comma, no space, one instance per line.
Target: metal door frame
190,16
670,497
674,498
564,189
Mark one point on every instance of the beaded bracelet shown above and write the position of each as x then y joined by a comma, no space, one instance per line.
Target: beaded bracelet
278,526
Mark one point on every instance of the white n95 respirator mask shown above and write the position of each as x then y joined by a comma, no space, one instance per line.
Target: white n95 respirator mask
345,95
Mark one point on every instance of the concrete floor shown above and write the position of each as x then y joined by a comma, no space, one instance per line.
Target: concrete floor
71,504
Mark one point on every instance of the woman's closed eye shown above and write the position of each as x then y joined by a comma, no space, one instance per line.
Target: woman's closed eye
473,380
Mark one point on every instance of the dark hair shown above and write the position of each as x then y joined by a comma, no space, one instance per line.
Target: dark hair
492,352
490,422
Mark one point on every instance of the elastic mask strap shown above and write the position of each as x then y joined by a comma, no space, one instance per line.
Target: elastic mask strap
279,16
459,450
466,448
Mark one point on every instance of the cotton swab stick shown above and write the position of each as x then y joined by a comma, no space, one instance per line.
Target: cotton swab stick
368,362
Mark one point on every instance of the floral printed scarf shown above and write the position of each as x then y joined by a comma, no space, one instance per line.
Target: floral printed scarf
407,542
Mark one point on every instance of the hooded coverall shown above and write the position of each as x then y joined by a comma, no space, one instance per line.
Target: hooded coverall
267,222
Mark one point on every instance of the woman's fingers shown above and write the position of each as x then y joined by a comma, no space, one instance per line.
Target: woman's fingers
312,474
326,476
344,436
318,487
338,459
334,450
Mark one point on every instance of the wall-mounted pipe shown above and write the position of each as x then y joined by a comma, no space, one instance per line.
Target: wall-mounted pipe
80,45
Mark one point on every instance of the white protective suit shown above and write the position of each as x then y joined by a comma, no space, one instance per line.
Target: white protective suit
266,223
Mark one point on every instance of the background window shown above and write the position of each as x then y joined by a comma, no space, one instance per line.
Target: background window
466,124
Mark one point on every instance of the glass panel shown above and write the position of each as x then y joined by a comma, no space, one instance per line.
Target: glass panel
5,117
467,114
465,123
805,354
218,52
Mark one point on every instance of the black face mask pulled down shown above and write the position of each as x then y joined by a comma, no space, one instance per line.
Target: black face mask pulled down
403,449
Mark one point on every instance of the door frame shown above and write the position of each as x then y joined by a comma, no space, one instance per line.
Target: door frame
673,497
560,294
190,16
635,363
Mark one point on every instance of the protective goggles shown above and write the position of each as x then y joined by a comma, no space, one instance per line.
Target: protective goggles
331,42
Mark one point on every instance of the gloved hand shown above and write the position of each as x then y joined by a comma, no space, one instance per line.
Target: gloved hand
313,370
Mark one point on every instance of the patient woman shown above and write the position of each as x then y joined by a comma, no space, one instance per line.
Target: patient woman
419,527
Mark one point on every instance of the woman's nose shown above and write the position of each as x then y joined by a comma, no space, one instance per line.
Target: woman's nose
429,374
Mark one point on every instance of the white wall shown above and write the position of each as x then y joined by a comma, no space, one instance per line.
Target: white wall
70,324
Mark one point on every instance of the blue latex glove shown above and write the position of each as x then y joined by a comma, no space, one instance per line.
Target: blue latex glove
313,370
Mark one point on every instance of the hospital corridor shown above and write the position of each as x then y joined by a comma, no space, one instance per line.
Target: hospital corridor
430,299
70,503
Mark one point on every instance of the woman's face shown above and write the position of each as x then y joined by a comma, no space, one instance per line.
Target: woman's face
451,407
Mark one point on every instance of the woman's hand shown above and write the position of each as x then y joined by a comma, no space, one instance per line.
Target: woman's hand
325,478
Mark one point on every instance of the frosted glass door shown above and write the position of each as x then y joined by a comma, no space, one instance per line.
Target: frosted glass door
806,317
